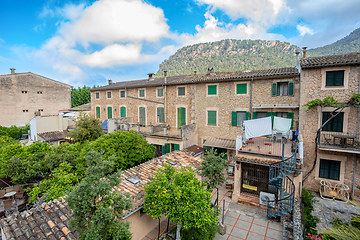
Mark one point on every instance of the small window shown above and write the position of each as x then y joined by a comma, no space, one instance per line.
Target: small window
335,124
282,114
211,117
108,94
24,92
282,89
212,89
181,91
97,95
142,93
241,88
160,114
160,92
335,78
329,169
39,92
40,110
25,110
122,94
239,117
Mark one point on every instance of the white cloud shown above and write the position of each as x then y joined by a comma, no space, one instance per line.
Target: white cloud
304,30
114,54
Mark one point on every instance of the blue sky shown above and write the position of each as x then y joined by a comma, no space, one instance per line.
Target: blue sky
83,42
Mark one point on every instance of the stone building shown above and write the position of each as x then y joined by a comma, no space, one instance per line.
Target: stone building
23,94
334,157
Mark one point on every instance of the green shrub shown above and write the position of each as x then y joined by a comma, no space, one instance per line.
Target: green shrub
310,220
200,233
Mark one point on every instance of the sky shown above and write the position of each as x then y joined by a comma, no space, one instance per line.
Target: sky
81,42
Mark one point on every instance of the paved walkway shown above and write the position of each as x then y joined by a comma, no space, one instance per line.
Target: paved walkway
242,221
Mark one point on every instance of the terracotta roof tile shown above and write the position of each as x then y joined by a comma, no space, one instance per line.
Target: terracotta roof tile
255,159
53,136
331,60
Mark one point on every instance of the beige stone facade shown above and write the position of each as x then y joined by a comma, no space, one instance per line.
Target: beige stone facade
23,94
344,154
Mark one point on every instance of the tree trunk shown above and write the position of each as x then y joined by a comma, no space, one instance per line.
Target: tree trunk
178,227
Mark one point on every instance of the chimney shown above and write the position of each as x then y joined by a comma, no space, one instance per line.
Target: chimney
210,71
304,52
109,82
12,70
297,52
151,76
195,72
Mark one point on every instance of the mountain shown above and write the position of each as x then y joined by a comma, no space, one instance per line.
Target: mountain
348,44
235,55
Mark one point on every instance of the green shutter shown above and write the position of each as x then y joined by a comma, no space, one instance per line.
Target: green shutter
271,114
176,147
211,117
291,116
254,115
97,112
234,119
241,88
167,148
274,89
334,78
247,115
122,111
109,109
162,149
160,114
142,93
142,116
212,89
291,88
181,117
160,92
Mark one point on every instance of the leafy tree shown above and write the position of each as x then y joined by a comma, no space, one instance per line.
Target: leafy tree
96,209
182,197
13,131
212,168
129,148
61,182
80,96
88,129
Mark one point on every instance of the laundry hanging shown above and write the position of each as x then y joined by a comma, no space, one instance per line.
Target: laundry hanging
238,142
282,125
258,127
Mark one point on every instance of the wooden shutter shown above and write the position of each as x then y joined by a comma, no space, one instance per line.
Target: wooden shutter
291,88
109,112
181,117
167,148
274,89
247,115
290,115
122,111
339,78
254,115
212,89
176,147
97,112
142,116
211,117
234,119
160,114
241,88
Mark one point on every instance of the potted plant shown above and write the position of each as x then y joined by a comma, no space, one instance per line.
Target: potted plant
151,128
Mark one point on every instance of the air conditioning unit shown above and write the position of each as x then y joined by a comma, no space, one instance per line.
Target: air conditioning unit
265,197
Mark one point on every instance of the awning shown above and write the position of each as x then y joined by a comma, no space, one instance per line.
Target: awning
220,143
104,125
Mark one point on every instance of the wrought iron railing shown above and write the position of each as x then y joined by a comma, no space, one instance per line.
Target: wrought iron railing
338,140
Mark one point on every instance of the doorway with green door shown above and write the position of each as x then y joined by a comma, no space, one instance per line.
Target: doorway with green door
181,117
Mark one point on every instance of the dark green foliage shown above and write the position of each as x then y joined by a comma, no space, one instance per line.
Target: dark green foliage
207,232
13,131
212,168
129,148
80,96
310,221
87,129
96,209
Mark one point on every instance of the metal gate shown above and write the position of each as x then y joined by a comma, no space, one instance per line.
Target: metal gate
254,178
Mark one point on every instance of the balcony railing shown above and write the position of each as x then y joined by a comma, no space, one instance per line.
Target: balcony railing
344,141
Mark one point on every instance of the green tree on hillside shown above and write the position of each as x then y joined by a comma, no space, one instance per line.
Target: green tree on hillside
80,96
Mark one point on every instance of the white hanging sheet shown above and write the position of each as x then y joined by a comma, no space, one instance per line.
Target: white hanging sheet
238,142
257,127
282,125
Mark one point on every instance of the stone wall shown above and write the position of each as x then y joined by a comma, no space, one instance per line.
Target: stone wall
22,94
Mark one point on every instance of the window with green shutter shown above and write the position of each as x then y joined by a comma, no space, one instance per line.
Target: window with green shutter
176,147
334,78
238,117
109,112
122,111
160,92
181,117
142,93
241,88
274,89
290,115
166,148
181,91
97,112
291,88
212,89
142,116
211,117
335,124
257,115
329,169
160,114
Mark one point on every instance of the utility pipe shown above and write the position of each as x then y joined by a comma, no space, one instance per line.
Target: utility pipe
251,83
165,105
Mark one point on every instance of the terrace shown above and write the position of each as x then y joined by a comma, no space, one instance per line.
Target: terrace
339,142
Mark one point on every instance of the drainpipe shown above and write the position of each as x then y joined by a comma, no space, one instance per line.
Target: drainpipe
165,115
195,99
251,83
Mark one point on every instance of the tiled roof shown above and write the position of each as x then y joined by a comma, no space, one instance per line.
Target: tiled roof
48,221
255,159
194,150
331,60
144,172
53,136
214,77
220,142
84,107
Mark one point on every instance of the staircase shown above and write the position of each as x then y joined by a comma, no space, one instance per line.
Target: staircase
279,177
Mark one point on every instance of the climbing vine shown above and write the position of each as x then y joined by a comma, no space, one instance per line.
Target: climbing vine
331,102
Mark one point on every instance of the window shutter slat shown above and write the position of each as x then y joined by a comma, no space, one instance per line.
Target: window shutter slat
241,88
274,89
212,117
291,88
291,116
212,89
234,119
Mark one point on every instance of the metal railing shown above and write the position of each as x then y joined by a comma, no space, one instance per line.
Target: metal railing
338,140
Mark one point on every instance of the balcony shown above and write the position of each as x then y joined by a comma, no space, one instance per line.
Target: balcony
339,142
157,131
